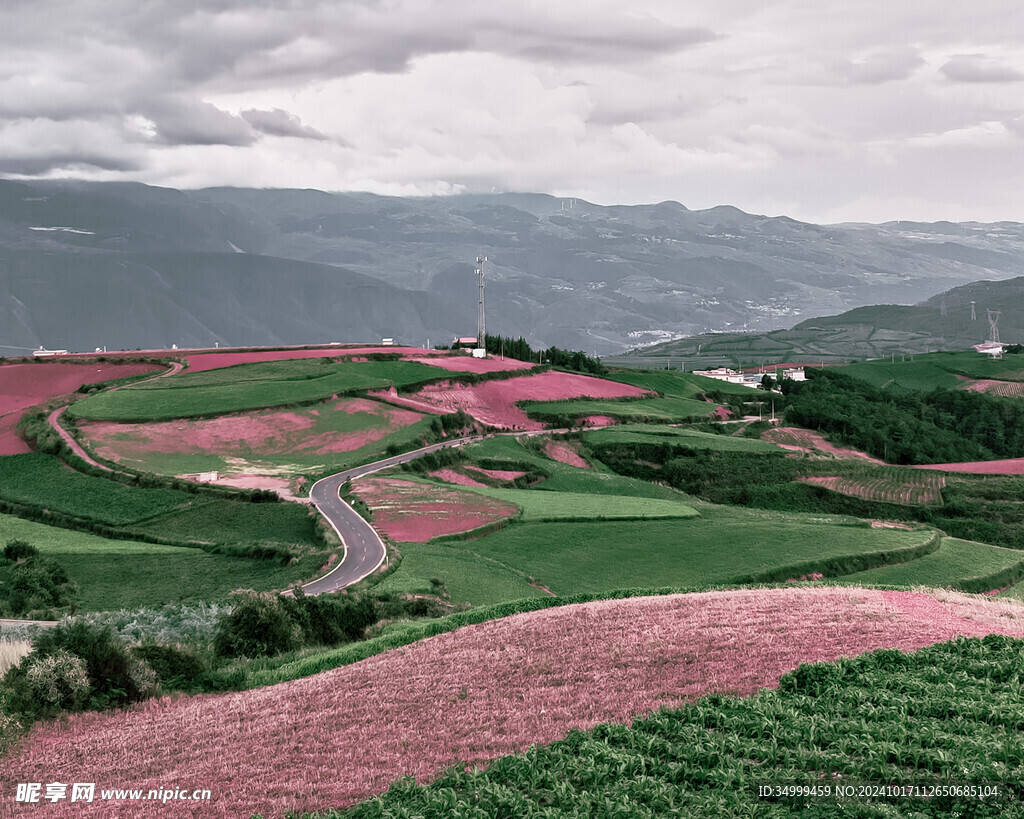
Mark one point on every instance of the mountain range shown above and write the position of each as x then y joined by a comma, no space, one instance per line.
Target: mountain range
86,265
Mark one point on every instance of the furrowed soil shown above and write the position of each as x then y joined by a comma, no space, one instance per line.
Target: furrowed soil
474,694
417,512
813,443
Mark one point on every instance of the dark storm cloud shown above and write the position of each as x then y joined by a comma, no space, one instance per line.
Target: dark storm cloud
187,122
280,123
978,68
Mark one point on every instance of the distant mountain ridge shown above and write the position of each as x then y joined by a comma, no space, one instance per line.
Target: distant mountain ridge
943,322
121,264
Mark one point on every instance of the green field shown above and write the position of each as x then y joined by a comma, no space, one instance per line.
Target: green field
540,506
565,478
640,409
248,387
955,561
115,574
926,372
884,718
722,546
676,436
674,384
43,480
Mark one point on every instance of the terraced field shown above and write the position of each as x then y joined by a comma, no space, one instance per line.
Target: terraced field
903,489
116,574
331,435
676,436
964,564
248,387
647,409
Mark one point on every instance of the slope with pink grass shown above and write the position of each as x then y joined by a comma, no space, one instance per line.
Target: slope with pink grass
480,692
796,439
495,402
24,385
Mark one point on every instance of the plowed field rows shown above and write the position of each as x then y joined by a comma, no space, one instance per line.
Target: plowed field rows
924,492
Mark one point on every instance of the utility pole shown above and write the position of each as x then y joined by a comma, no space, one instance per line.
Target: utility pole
481,327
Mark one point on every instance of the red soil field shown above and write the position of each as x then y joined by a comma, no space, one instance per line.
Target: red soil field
1007,466
803,440
494,402
344,735
200,362
468,364
1007,389
268,432
499,474
565,454
888,490
597,421
25,385
417,512
451,476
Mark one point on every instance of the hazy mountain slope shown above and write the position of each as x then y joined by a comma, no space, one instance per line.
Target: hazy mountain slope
561,271
942,322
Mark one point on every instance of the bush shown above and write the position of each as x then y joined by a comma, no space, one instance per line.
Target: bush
175,665
19,550
38,584
60,681
257,625
115,676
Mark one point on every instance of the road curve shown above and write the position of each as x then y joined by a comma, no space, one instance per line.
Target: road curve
364,549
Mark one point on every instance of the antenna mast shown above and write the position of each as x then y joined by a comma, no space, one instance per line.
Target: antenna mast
481,327
993,325
974,317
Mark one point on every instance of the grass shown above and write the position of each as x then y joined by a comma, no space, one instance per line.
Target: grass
708,757
43,480
955,561
922,374
116,574
541,506
656,409
676,436
249,387
11,652
722,546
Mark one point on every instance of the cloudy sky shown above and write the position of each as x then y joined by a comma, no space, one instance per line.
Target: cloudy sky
823,110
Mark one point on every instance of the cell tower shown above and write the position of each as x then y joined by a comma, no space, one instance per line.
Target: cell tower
974,316
993,325
481,325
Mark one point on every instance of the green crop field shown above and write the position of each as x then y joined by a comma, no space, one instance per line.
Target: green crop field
709,757
43,480
673,384
721,546
577,506
115,574
921,374
565,478
642,409
954,562
248,387
676,436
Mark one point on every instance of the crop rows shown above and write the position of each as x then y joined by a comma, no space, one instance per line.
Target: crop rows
917,491
710,757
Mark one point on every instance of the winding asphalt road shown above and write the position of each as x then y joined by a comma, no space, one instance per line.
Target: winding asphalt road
364,550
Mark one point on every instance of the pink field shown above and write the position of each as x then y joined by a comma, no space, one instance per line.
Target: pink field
494,402
924,491
1007,466
565,454
498,474
416,512
333,739
451,476
25,385
200,362
300,432
803,440
468,364
1006,389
